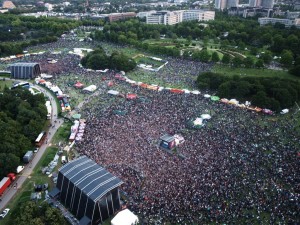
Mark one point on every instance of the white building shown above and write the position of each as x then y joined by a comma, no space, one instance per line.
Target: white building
198,15
48,6
220,4
287,22
145,14
174,17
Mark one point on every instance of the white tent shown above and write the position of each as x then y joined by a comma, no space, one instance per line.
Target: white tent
195,92
90,88
205,116
125,217
284,111
198,121
113,92
206,96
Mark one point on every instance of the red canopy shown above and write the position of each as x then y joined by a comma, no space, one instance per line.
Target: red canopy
110,83
131,96
177,91
78,85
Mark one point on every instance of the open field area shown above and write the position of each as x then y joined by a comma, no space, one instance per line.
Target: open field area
230,71
7,83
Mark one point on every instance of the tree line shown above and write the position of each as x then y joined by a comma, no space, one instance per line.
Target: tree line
232,33
98,60
264,92
22,118
19,32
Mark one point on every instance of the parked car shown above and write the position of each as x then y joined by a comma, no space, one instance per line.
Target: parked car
36,150
4,213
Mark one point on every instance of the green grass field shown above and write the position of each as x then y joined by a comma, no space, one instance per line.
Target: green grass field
8,84
226,70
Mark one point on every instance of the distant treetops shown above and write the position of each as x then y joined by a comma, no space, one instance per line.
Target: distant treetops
98,60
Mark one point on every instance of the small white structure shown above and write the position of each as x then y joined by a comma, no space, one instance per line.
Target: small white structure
90,88
125,217
284,111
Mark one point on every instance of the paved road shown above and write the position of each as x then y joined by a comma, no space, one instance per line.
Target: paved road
10,193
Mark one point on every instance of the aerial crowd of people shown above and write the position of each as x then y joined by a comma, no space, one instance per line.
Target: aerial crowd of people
241,167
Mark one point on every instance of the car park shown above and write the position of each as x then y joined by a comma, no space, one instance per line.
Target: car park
4,213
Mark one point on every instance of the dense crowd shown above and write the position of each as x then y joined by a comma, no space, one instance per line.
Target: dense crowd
241,167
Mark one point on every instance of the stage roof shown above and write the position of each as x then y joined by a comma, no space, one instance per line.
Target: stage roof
91,178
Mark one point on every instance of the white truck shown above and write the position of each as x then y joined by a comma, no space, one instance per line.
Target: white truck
20,169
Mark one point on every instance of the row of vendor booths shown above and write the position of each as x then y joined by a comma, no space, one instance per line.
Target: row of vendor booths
63,99
77,130
246,105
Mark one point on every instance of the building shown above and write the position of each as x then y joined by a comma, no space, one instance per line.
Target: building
232,3
174,17
250,12
25,70
199,15
88,190
261,3
120,16
287,22
145,14
220,4
8,5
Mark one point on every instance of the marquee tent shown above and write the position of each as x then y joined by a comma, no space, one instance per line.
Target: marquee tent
284,111
90,88
131,96
113,92
78,85
205,116
125,217
206,96
195,92
214,98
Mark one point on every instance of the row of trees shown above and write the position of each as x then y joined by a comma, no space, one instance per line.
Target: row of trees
98,60
241,33
22,117
38,214
265,92
18,32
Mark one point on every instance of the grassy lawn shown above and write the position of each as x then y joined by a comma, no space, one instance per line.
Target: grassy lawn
252,72
8,83
62,134
148,61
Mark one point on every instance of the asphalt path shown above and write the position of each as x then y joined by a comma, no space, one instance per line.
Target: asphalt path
25,174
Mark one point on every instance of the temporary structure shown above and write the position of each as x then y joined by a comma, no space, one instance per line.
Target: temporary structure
125,217
205,116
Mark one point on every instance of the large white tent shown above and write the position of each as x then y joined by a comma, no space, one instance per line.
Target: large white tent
125,217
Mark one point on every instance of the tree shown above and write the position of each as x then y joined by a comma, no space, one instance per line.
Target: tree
215,57
226,59
267,57
287,59
248,62
8,162
295,71
259,63
204,56
237,62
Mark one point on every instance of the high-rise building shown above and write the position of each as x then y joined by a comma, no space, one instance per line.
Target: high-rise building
232,3
221,4
267,3
174,17
261,3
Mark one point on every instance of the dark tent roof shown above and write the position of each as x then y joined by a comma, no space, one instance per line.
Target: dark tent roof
89,177
84,221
